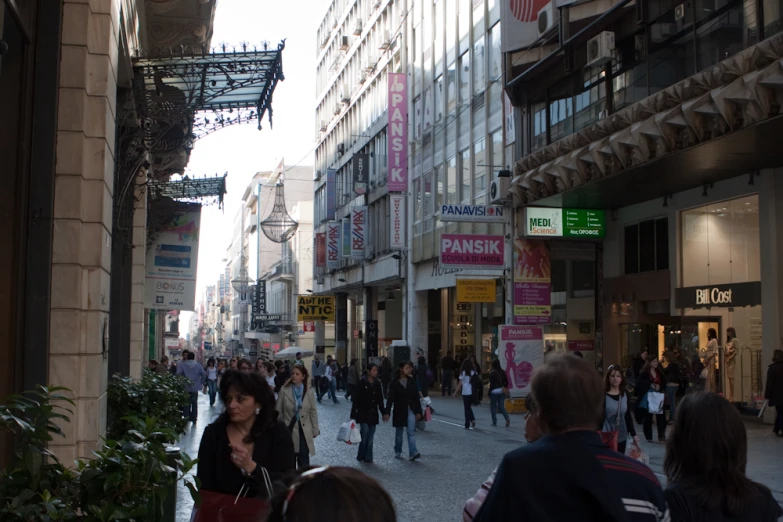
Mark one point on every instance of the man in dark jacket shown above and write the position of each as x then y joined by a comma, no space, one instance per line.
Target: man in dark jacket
367,403
773,390
576,476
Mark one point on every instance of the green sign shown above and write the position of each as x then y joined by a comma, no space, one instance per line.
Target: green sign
565,222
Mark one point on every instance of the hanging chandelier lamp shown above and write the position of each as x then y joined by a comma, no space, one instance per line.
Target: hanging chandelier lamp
279,226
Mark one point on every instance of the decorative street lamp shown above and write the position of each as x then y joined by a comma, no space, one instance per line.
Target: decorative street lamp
241,283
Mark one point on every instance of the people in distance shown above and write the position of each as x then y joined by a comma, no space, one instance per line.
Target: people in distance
196,374
650,379
465,385
617,411
404,407
366,410
773,391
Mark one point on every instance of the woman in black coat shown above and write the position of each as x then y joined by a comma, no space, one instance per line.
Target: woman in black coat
651,378
773,391
404,399
367,402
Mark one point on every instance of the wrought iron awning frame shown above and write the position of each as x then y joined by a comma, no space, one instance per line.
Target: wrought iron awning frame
190,189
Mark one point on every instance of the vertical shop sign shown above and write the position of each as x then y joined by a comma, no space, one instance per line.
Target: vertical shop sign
331,193
358,232
333,244
320,249
372,338
532,282
397,206
397,151
346,238
508,113
361,172
521,352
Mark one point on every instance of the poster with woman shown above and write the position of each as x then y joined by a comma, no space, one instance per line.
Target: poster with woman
521,352
532,277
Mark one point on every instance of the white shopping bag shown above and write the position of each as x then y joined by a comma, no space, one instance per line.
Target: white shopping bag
349,433
655,402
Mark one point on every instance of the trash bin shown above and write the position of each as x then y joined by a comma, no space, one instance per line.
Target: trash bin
170,502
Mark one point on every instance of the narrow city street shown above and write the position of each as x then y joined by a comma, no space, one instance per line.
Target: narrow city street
455,461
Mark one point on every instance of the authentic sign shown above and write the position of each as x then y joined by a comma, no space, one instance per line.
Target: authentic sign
476,291
315,308
478,252
724,296
565,222
474,213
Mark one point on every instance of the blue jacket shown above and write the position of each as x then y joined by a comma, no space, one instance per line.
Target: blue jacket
193,371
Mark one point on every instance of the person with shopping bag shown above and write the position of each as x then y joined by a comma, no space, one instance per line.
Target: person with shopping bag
617,424
367,409
650,386
404,407
244,453
296,404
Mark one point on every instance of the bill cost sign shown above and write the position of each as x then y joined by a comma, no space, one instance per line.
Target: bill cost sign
477,252
315,308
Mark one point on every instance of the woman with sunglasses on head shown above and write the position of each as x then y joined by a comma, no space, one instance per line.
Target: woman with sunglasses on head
328,494
246,438
296,404
617,414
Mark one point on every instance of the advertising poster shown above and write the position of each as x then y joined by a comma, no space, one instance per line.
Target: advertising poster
333,244
397,152
172,263
476,291
320,249
358,232
361,172
521,352
478,252
397,206
532,282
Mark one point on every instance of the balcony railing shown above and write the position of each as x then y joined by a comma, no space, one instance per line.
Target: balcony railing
285,270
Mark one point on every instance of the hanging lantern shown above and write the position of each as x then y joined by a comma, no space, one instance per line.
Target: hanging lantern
279,226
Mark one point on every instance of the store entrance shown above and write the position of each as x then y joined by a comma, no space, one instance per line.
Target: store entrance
687,333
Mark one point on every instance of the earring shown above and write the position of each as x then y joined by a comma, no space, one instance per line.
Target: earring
258,410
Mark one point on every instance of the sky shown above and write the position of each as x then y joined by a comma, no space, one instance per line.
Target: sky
243,150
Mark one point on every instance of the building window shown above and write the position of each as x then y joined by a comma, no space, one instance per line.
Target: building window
582,279
464,176
647,246
479,168
451,89
478,65
438,108
451,181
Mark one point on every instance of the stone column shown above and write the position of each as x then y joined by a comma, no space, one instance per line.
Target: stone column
81,258
139,355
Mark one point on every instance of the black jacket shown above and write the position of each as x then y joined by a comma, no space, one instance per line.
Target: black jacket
774,387
643,383
402,398
367,401
497,379
274,450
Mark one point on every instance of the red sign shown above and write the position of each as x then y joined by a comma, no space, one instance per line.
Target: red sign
309,326
356,334
581,346
320,249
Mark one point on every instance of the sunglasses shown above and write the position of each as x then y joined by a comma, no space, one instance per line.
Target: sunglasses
302,479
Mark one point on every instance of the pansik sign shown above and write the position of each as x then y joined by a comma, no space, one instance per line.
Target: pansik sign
172,263
565,222
474,213
333,244
320,249
361,170
521,352
397,148
315,308
478,252
397,206
358,232
476,291
732,295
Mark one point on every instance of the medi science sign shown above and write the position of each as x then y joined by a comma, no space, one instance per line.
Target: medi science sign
565,222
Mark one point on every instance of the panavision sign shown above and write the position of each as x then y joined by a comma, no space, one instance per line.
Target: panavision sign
725,296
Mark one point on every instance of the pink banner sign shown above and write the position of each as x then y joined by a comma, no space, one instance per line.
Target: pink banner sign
581,346
478,252
397,151
521,352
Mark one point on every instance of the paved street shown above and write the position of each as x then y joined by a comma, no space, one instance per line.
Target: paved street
456,461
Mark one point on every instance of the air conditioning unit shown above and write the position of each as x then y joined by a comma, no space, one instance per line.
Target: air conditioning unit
548,18
362,77
341,148
324,125
386,43
338,108
344,43
498,190
600,48
357,31
319,279
345,94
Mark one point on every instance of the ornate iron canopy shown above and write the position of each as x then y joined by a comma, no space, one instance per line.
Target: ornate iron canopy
279,226
203,190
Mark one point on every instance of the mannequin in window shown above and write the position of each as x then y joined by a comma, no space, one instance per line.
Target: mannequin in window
730,356
710,355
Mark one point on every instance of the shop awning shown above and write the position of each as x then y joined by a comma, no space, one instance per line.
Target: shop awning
712,126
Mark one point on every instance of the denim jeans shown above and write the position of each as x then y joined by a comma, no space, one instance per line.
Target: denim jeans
365,446
497,403
303,456
212,387
332,391
411,428
671,394
193,407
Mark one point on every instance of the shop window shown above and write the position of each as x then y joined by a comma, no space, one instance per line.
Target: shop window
647,246
583,279
559,275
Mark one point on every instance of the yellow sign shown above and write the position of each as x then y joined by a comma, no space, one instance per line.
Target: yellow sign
475,290
315,308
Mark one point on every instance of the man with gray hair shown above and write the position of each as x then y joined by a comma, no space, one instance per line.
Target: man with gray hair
569,474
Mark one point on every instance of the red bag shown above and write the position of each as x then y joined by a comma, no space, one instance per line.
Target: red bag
427,414
609,438
219,507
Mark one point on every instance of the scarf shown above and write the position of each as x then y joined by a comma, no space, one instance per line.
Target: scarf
298,397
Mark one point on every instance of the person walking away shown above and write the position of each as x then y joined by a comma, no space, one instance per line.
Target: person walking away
498,385
773,391
673,375
639,361
245,438
478,384
731,350
352,379
577,477
366,409
710,361
342,376
465,385
617,413
163,366
404,401
212,377
317,370
296,405
196,374
447,374
651,379
329,376
705,466
385,375
267,372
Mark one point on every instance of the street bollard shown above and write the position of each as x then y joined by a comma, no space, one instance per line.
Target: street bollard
170,503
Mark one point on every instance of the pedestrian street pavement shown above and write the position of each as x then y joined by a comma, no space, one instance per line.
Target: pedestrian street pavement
455,461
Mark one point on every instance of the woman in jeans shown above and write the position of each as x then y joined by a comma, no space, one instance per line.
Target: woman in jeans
466,387
296,404
367,403
497,399
404,400
212,377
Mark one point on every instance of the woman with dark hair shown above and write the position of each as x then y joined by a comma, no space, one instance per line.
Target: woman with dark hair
244,439
705,466
478,391
673,374
367,403
328,494
651,379
404,400
259,365
465,385
212,377
710,360
773,391
617,414
497,399
244,365
296,405
385,373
